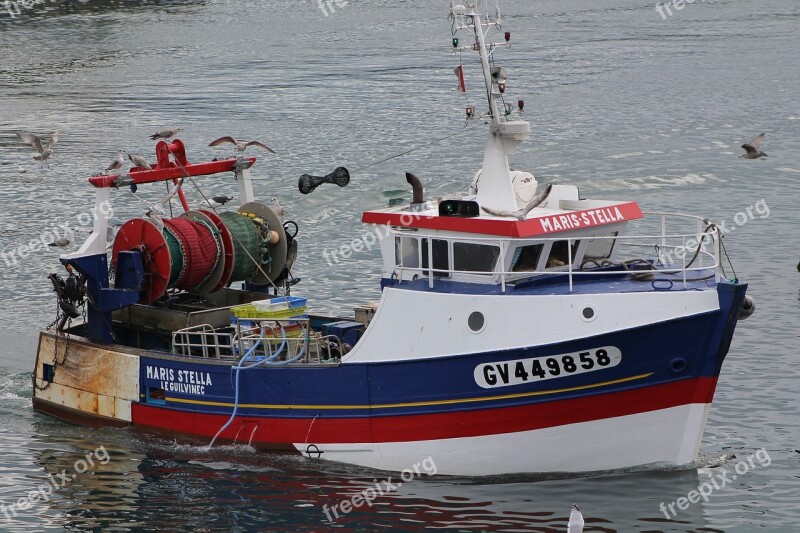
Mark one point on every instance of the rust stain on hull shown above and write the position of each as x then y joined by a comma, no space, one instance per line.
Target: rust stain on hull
91,380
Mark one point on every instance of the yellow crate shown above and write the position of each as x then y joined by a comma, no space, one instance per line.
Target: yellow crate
250,311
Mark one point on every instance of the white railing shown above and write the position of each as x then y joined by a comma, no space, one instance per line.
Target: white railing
278,340
690,248
202,340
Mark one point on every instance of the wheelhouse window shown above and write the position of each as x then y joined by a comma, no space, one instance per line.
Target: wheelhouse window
599,249
441,257
406,252
470,257
526,258
559,253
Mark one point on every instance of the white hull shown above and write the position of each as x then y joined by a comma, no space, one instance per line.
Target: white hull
666,436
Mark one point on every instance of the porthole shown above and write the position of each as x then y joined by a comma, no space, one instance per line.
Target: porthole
678,365
588,313
476,321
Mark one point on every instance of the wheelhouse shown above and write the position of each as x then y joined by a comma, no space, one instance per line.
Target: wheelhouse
564,234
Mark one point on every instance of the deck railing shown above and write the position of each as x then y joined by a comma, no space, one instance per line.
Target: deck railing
697,252
278,340
202,340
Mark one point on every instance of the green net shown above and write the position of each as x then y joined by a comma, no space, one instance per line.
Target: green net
176,254
247,245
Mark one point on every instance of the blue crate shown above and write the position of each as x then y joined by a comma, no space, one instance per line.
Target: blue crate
293,301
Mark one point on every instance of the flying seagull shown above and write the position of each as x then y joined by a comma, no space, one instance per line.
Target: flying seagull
216,201
139,161
520,214
576,522
118,162
166,134
278,209
753,148
36,140
43,156
240,146
44,149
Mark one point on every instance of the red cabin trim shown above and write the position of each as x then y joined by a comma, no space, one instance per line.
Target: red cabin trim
544,225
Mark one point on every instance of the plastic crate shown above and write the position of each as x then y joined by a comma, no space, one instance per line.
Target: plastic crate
250,311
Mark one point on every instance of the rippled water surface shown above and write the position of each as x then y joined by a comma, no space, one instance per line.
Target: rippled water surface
623,103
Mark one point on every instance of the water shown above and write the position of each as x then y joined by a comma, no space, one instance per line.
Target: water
623,103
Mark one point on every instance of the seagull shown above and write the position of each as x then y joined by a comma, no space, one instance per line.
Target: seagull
166,134
63,241
43,156
44,149
159,210
576,522
36,140
521,214
753,148
216,201
139,161
241,146
22,170
278,209
118,162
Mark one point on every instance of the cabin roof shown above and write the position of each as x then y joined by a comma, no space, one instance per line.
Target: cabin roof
572,215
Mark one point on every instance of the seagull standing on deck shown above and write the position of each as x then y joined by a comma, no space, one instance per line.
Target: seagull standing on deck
576,522
216,201
753,148
117,163
240,146
139,161
166,134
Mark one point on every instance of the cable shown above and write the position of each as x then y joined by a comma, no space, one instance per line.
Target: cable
413,149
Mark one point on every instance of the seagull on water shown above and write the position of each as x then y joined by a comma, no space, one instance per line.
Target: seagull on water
240,146
576,522
139,161
118,162
43,148
753,148
166,134
22,170
216,201
63,241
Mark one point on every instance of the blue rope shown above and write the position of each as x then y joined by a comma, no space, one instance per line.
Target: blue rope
238,368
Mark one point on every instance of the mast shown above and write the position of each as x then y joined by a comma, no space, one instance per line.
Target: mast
495,189
487,73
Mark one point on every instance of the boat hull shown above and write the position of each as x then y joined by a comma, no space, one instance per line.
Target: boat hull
645,400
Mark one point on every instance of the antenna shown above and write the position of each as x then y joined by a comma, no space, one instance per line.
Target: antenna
496,190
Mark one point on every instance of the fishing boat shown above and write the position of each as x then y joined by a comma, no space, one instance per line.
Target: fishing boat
520,328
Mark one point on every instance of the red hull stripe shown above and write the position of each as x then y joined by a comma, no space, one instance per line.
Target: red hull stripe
268,431
572,220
